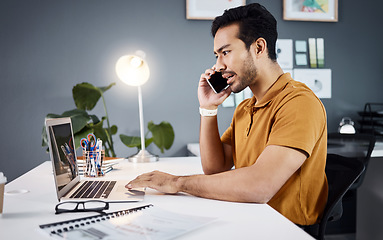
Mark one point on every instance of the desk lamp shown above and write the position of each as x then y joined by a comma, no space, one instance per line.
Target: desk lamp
133,70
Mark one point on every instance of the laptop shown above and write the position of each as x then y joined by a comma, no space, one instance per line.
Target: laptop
66,171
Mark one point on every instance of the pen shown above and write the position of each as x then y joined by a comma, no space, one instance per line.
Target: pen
99,156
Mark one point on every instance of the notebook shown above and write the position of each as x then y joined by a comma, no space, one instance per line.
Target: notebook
66,171
145,222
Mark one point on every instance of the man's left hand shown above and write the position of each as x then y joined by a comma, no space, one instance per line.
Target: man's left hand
160,181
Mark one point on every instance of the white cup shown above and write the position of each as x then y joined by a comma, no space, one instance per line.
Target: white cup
3,180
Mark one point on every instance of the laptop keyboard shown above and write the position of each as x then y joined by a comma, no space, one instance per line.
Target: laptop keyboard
94,189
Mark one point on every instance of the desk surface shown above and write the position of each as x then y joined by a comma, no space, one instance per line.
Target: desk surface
23,213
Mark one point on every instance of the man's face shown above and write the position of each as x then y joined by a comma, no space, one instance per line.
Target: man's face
233,59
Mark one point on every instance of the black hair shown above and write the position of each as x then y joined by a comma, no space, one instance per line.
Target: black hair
254,21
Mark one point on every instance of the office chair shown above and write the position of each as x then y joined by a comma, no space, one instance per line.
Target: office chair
341,173
357,145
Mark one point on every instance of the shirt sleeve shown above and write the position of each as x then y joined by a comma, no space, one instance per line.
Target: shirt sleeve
299,123
227,135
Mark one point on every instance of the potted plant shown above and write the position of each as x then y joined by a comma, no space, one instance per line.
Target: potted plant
85,97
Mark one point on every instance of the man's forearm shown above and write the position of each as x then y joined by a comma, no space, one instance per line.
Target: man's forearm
211,148
234,186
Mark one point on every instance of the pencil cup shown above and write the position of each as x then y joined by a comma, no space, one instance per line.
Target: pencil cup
3,180
93,163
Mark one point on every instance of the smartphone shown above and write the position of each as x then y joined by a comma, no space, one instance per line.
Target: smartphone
217,82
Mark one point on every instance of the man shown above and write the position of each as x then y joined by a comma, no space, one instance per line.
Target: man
277,139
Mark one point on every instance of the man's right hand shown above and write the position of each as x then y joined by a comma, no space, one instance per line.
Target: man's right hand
208,99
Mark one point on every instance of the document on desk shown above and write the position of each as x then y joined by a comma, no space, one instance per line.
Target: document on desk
145,222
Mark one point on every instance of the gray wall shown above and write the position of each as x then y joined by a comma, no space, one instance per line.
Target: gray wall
46,47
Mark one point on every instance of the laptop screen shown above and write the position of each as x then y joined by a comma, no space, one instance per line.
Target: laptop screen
62,151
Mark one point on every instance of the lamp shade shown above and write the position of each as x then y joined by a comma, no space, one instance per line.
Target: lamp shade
132,70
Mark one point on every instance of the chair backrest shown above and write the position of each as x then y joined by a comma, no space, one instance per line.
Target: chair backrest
357,145
341,173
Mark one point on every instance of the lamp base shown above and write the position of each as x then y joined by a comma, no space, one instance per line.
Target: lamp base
143,156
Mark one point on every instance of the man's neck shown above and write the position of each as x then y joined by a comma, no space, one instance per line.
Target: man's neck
266,78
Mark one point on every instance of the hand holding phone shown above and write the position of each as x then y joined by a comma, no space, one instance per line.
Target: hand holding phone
217,82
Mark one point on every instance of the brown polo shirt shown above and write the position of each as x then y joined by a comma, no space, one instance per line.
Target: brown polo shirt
288,115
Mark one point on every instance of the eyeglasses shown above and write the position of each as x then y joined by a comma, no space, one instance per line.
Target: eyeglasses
85,206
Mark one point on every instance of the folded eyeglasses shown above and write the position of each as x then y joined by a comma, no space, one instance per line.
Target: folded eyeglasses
84,206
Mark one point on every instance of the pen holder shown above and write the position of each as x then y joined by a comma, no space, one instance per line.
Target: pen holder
93,163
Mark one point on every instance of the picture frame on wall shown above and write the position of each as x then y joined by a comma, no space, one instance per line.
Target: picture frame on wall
313,10
208,10
318,80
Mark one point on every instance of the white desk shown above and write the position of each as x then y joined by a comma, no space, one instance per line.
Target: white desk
23,213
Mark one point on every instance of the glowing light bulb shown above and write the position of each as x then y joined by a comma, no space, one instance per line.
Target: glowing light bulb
132,70
136,62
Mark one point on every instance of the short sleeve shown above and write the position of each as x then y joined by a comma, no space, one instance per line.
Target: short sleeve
227,135
299,123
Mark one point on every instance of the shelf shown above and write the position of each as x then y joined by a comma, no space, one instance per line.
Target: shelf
371,114
372,119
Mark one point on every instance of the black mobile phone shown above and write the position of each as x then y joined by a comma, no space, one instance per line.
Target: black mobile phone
217,82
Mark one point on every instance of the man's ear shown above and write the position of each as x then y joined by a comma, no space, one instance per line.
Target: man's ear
259,47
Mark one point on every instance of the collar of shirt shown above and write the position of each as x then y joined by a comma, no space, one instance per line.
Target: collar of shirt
274,90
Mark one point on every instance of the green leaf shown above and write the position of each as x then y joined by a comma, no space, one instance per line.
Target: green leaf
113,129
104,89
79,118
130,141
44,137
75,112
78,123
94,119
148,141
100,132
85,96
163,134
53,115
